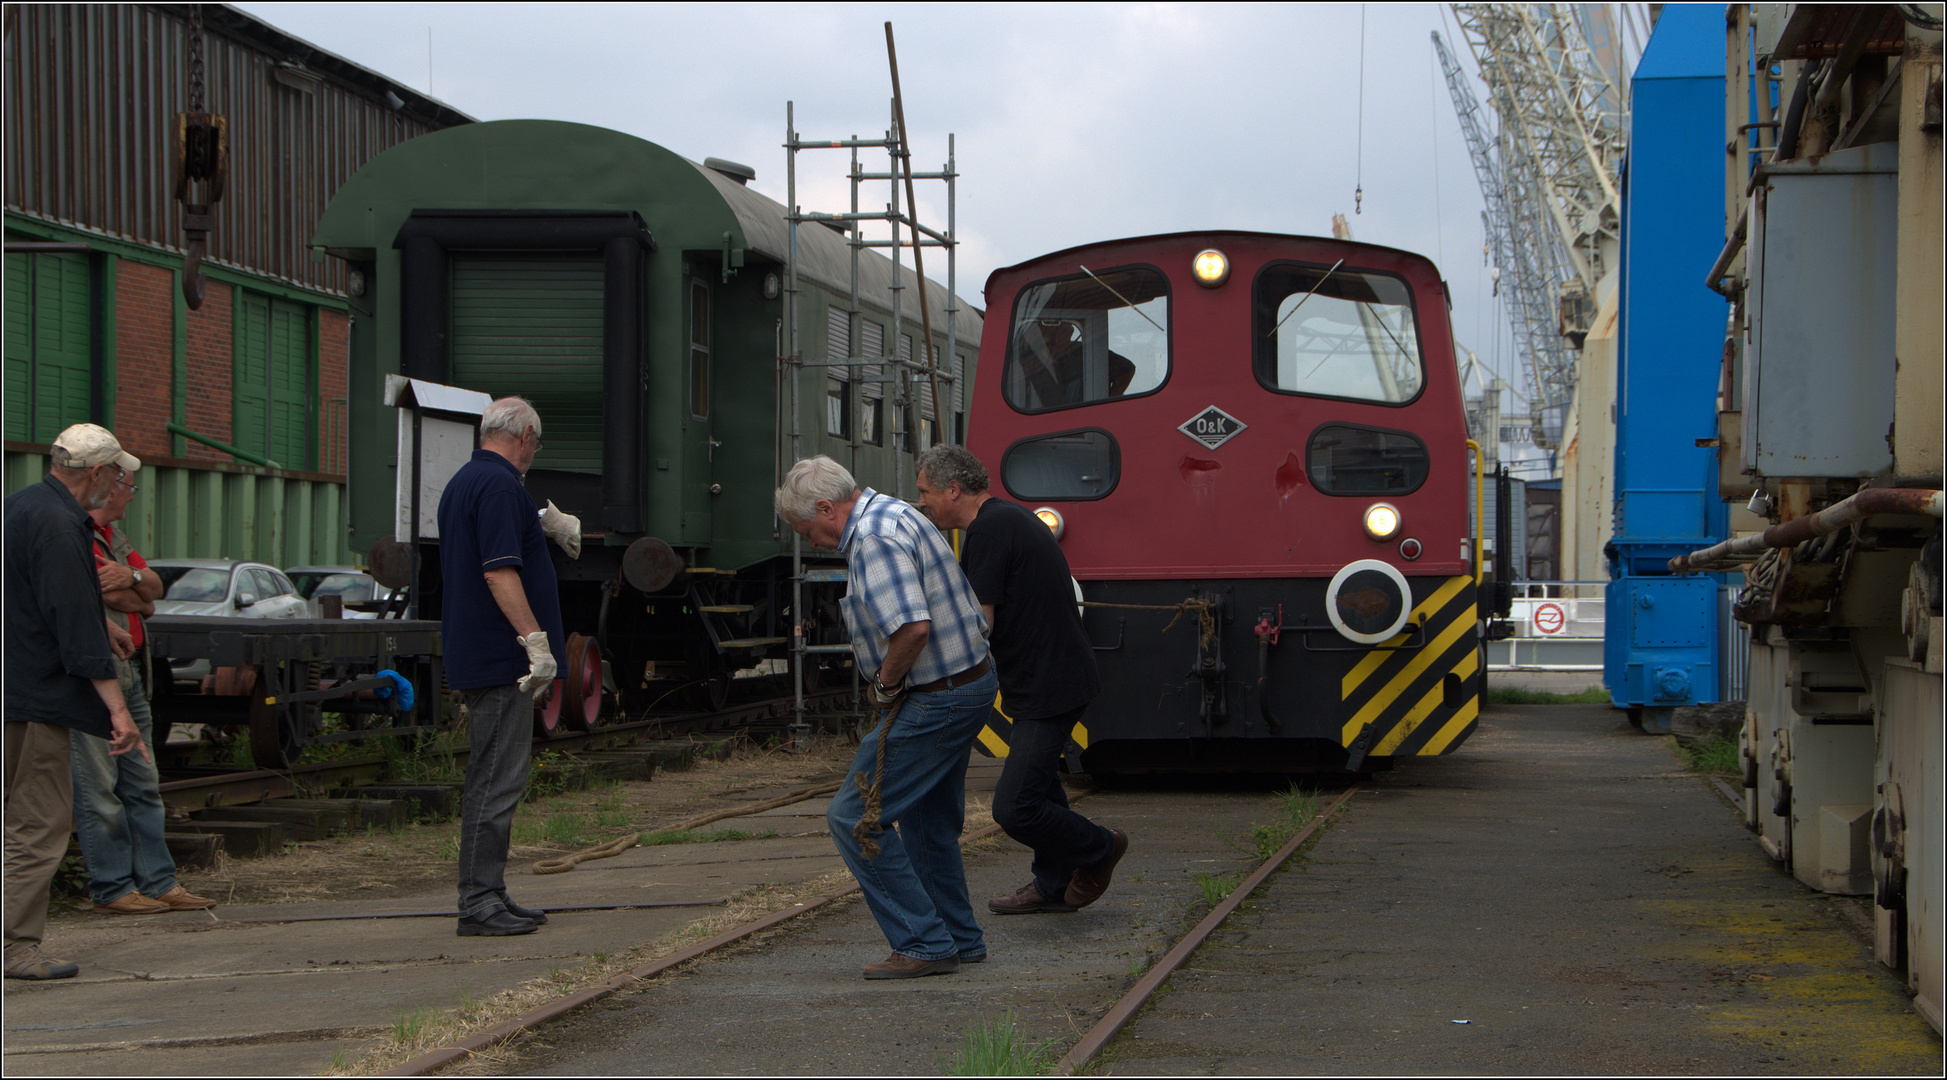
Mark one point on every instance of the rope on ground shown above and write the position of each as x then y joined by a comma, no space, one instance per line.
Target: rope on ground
561,864
1206,615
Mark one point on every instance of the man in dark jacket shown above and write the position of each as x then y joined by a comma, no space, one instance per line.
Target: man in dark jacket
60,674
500,616
1047,677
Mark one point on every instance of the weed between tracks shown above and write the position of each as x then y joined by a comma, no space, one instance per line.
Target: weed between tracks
1715,754
997,1048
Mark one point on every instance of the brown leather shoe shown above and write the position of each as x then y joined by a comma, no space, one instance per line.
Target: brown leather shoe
1085,887
901,966
181,899
132,903
1027,900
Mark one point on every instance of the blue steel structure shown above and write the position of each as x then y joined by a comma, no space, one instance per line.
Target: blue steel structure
1664,647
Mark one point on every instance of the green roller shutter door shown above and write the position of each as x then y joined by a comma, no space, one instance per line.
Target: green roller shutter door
532,327
48,369
271,380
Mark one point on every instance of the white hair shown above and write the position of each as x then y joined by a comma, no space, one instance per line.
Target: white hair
507,417
810,480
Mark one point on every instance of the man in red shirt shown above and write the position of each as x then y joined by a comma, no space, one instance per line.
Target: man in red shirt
118,813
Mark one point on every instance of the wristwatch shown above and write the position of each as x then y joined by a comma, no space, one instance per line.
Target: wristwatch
138,578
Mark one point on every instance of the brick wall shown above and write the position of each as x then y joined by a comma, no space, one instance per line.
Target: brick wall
334,361
209,358
144,332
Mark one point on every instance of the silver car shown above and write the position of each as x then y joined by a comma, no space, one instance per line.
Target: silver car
224,587
362,596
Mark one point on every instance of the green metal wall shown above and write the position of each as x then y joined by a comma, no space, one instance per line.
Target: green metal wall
209,513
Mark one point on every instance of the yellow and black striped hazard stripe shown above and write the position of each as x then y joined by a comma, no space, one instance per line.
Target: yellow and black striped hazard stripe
1401,692
994,733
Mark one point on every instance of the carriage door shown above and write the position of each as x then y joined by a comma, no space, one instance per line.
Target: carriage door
532,326
702,450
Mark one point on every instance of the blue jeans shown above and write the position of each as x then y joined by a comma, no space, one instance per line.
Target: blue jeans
117,809
501,728
917,887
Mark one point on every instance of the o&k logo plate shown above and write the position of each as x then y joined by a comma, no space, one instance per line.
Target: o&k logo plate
1213,427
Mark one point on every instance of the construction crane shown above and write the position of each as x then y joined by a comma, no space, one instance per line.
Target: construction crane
1548,177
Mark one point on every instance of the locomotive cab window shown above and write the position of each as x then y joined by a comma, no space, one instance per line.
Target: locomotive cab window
1347,460
1335,333
1066,465
699,350
1088,339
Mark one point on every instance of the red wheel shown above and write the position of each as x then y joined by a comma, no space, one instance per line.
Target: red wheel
547,716
582,709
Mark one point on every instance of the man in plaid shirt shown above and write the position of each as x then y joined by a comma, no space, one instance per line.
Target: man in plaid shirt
917,632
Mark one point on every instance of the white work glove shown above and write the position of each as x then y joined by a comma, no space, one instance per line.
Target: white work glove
540,664
563,529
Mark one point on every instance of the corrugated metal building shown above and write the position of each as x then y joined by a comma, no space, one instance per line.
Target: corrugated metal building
96,324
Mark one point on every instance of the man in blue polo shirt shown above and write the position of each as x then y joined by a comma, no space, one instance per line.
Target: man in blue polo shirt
500,616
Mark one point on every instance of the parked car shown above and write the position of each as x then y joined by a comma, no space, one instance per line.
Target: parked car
363,597
224,587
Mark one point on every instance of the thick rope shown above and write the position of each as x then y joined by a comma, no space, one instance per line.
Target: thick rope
1206,615
866,832
561,864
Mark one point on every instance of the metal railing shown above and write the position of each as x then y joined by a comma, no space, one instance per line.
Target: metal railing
1558,626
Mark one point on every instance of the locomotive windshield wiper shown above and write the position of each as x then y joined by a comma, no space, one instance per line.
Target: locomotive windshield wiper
1301,303
1124,299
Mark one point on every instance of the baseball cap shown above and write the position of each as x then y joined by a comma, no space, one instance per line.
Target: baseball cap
85,446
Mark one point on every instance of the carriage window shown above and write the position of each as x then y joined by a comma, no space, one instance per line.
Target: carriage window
1344,334
1066,465
1347,460
1088,339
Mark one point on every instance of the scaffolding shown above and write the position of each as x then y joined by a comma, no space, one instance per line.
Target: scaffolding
894,365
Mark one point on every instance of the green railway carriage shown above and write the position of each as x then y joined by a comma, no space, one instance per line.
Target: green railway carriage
638,299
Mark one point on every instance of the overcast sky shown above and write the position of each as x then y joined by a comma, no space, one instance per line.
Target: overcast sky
1072,123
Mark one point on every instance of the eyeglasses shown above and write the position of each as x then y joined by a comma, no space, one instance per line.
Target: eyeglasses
124,482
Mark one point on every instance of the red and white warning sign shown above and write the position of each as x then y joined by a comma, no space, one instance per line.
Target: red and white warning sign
1550,619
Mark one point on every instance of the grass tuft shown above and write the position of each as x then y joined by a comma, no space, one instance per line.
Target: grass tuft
1715,754
1514,695
998,1048
1216,886
407,1026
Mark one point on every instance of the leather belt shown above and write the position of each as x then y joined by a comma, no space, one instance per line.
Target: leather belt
986,664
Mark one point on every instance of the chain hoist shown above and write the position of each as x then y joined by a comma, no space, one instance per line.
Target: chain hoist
202,165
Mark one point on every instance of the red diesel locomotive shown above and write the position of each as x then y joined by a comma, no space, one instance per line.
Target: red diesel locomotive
1253,452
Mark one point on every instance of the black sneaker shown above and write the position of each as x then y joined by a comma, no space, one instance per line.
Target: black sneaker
498,923
538,918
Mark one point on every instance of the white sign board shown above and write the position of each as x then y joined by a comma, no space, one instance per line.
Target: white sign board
444,446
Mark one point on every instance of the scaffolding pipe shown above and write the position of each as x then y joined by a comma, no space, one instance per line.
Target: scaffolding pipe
1915,501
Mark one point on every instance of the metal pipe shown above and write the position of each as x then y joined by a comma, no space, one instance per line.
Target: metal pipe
241,455
1714,280
1916,501
1480,507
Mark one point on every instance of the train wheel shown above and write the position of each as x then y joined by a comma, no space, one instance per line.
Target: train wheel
548,722
275,740
582,709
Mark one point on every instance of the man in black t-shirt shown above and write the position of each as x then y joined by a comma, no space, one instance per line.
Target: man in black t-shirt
1047,677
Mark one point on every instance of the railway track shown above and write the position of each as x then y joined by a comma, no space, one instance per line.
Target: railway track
212,788
1077,1059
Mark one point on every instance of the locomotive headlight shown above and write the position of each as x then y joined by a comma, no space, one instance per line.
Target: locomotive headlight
1382,521
1051,517
1211,268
